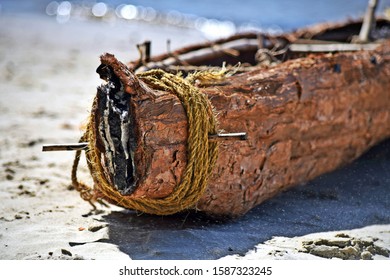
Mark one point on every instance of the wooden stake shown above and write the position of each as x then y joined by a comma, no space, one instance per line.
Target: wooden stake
368,22
144,50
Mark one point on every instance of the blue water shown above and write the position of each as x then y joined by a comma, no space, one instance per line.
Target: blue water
282,14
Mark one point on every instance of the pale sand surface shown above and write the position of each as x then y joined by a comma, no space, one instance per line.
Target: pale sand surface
47,83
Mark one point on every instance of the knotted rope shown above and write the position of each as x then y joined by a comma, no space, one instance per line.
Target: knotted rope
201,153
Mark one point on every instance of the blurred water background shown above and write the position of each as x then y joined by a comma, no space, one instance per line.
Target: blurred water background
214,18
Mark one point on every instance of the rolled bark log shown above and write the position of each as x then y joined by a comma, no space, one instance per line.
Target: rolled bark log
303,118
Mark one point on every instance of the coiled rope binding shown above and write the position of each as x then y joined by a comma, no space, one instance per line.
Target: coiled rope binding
201,153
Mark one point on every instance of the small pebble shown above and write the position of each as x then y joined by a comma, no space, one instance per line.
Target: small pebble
66,252
96,228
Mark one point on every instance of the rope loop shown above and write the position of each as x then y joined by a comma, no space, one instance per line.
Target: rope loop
202,154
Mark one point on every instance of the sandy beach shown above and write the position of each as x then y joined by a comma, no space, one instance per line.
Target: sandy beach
47,83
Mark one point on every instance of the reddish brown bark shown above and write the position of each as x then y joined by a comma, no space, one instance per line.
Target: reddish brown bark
304,117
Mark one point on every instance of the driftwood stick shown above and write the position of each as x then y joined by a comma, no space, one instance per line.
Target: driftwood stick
368,21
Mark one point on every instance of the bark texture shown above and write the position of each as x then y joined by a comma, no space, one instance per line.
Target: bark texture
304,117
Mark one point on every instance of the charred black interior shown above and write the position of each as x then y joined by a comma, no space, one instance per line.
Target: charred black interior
346,32
255,49
114,131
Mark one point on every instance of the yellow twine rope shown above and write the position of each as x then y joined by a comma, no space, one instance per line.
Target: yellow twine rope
201,153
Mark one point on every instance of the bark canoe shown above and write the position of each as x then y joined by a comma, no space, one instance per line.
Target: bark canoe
305,114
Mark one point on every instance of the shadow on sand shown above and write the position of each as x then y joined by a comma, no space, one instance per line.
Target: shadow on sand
355,196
